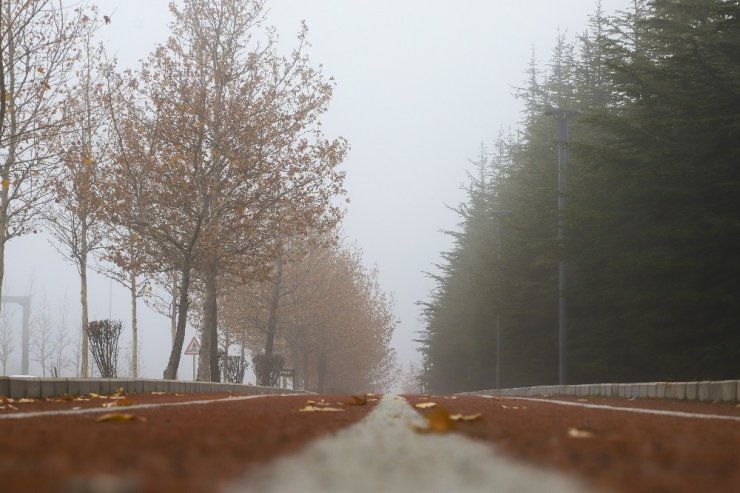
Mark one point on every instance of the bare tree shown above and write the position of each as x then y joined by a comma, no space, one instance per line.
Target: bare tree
410,381
104,335
42,337
122,263
75,220
7,340
61,344
38,40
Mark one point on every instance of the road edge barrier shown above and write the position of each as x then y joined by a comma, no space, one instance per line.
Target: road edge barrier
703,391
38,388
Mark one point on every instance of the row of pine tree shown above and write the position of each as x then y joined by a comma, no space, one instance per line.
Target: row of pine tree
652,242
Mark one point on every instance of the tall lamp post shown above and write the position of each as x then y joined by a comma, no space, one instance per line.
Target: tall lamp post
25,302
562,115
499,215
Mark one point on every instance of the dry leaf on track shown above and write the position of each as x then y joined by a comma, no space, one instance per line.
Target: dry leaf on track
119,418
313,409
425,405
357,400
122,402
576,433
464,417
438,421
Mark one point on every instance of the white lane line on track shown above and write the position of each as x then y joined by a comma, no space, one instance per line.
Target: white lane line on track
134,407
381,453
639,410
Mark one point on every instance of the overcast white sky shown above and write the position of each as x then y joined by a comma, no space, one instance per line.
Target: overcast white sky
420,85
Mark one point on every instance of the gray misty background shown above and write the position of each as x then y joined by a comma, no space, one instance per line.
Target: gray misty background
421,84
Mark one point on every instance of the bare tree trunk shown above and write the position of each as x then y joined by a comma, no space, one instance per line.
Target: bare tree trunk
7,107
2,241
134,329
170,373
274,305
208,357
305,369
5,181
243,344
83,300
173,306
322,373
5,169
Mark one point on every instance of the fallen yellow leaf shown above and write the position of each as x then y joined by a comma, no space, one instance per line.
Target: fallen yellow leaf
425,405
119,418
313,409
438,421
468,417
119,393
122,402
357,400
576,433
25,400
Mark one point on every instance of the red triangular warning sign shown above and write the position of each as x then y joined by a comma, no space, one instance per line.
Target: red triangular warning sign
193,347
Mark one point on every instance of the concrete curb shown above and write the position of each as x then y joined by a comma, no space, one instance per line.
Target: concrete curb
31,387
706,391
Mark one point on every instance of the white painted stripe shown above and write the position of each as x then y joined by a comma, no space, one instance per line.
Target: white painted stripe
640,410
382,453
126,409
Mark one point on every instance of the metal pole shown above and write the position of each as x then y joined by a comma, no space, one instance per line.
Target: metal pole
498,352
562,115
499,215
562,279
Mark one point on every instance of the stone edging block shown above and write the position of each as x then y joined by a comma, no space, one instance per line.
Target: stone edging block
705,391
33,387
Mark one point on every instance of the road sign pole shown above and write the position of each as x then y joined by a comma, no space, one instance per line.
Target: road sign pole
193,349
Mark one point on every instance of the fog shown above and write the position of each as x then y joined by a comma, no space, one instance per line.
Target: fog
421,85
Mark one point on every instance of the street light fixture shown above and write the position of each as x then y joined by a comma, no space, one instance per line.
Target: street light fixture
562,115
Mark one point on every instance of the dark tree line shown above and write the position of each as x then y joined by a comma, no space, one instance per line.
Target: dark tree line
653,224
